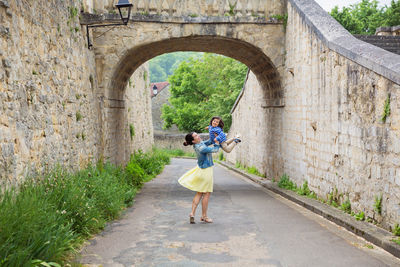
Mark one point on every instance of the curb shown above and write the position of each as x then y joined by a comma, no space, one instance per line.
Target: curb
369,232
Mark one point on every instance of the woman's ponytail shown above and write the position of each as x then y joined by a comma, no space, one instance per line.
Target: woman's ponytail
189,139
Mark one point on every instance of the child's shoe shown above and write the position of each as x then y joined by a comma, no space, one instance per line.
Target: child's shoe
237,140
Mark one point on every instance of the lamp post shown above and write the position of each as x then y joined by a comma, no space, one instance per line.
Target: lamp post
155,91
122,6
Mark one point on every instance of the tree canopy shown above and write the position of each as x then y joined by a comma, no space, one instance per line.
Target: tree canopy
163,66
366,16
202,88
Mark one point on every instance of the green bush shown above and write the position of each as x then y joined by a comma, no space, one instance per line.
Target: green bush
46,218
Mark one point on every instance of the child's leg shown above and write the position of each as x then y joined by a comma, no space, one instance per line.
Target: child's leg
229,141
228,147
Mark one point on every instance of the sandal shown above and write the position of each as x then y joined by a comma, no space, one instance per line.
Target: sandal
206,220
191,219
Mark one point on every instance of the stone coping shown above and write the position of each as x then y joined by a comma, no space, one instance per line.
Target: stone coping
341,41
88,19
368,231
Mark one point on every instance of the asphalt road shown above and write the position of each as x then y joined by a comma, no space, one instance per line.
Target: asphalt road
252,227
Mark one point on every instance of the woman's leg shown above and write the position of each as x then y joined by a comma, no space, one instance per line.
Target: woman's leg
195,202
204,207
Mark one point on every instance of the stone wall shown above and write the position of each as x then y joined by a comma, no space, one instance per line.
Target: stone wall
330,131
174,141
260,133
51,109
138,112
48,106
156,104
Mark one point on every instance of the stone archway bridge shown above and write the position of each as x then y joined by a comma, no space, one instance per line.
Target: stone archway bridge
314,98
237,29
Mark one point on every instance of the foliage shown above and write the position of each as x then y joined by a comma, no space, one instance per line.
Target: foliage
221,156
365,16
286,183
175,152
163,66
131,130
378,204
396,240
386,109
254,170
45,219
346,206
203,88
359,216
303,190
396,230
333,198
283,18
78,116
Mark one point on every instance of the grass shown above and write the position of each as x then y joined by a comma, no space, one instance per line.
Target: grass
286,183
251,170
45,220
346,206
176,152
396,230
378,204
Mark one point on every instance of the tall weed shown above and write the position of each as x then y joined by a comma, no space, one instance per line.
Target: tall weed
45,219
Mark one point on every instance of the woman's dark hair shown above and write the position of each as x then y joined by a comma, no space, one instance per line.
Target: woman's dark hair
189,139
221,122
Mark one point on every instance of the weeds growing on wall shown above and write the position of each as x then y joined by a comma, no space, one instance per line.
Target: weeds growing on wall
45,219
251,170
131,131
346,206
386,109
396,230
378,204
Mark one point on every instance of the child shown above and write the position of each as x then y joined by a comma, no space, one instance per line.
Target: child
218,136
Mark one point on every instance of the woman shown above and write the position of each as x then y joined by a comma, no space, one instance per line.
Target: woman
200,178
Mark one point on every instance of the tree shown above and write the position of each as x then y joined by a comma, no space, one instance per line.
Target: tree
163,66
366,16
202,88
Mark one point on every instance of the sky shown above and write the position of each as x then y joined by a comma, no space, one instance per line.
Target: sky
329,4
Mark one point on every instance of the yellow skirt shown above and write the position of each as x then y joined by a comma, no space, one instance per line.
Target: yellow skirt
197,179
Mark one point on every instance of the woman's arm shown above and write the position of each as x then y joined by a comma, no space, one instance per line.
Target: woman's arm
208,142
205,149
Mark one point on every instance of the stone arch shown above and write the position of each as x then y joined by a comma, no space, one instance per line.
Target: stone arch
250,55
253,57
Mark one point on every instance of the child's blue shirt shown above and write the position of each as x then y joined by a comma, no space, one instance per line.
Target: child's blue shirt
221,137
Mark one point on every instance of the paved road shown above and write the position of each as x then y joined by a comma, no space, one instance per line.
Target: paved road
252,227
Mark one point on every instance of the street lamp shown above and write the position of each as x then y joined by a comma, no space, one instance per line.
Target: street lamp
122,6
155,91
